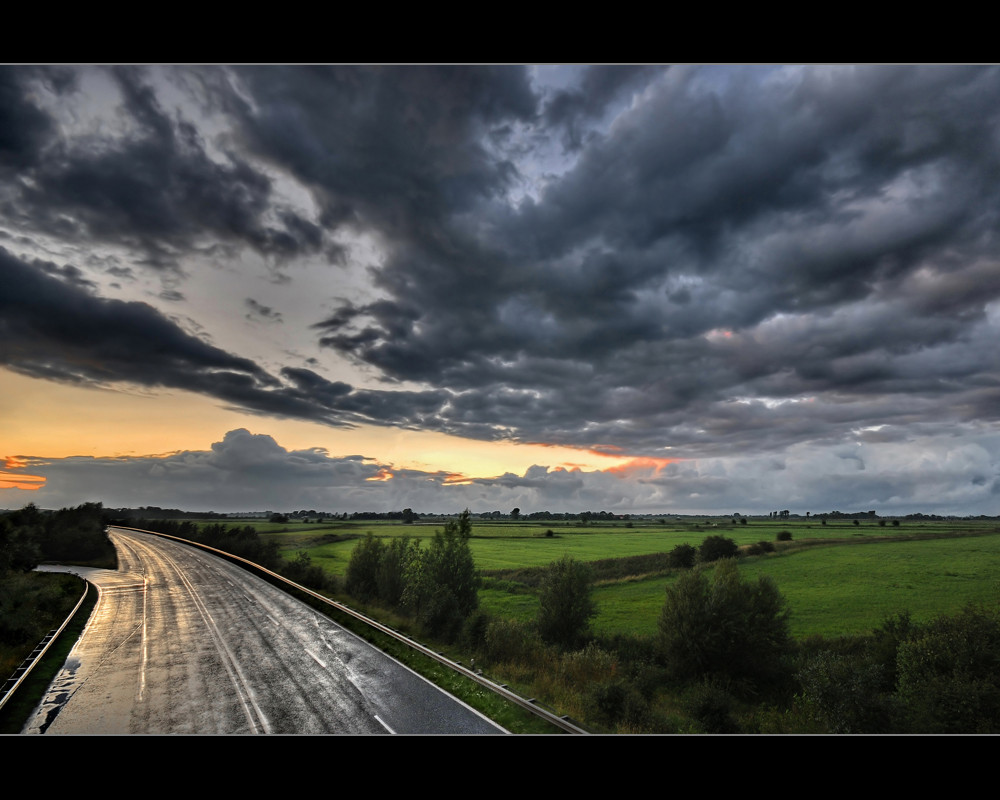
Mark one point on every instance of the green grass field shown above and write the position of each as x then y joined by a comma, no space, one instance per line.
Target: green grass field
838,578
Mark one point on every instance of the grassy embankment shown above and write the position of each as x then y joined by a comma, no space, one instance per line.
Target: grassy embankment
58,593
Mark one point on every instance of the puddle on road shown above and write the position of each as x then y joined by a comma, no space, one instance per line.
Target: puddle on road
59,693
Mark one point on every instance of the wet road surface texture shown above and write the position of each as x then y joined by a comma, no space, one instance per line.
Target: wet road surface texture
184,642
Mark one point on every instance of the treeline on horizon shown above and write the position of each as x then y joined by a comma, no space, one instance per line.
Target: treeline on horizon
30,536
408,515
245,542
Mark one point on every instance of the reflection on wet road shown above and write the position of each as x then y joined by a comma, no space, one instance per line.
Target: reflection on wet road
183,642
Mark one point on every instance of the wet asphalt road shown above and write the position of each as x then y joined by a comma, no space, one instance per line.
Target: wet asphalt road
184,642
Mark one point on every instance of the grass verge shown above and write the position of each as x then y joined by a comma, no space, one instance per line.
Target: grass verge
509,715
19,707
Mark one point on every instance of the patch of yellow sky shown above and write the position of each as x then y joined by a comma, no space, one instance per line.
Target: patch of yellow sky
50,420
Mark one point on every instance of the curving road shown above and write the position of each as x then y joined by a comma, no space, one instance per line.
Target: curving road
184,642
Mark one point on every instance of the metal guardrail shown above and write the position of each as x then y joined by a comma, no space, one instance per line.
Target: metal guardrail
21,673
562,722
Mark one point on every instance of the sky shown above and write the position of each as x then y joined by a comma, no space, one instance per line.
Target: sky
631,288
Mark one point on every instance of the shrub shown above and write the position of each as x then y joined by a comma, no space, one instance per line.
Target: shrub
510,641
565,604
714,548
726,628
846,692
615,702
712,707
784,536
682,556
302,571
474,631
948,674
760,548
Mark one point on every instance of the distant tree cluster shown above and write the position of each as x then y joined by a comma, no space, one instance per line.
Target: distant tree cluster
406,515
239,540
155,512
847,515
587,516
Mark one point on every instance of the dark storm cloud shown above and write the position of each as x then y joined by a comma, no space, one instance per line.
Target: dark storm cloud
58,326
598,87
401,148
719,259
154,189
23,125
837,222
54,328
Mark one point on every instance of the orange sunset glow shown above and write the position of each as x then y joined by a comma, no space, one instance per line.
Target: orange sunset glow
30,483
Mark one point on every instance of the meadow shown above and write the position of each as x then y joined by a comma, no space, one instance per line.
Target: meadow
838,578
858,594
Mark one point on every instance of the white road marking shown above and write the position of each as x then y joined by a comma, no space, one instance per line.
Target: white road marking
315,658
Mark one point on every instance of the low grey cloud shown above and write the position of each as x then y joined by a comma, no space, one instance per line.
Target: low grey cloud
952,473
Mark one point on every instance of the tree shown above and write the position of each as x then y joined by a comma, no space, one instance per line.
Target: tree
362,569
515,514
565,605
726,628
390,576
18,548
442,584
